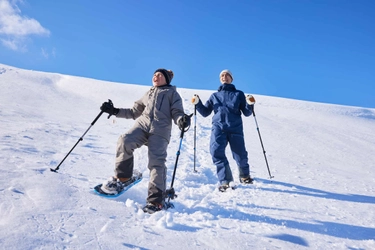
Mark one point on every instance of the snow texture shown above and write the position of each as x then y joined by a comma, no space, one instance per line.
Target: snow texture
321,156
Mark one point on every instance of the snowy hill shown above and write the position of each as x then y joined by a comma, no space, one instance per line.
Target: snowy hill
322,157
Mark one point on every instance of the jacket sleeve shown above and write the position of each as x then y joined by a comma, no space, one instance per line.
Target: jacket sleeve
177,109
134,112
246,109
205,110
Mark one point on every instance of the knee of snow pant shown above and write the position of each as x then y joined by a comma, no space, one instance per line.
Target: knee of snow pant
157,151
126,145
218,143
157,154
239,153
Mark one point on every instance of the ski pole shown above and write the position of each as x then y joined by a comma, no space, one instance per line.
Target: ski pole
80,139
195,134
170,192
261,142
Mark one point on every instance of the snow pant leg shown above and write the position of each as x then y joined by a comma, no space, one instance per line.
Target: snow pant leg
218,143
157,154
237,145
126,145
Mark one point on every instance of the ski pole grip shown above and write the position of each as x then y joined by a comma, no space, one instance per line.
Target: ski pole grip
195,99
250,99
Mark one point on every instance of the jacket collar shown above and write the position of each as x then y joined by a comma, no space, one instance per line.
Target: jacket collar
163,87
228,87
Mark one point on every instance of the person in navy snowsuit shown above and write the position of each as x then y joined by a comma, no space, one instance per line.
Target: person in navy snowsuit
228,104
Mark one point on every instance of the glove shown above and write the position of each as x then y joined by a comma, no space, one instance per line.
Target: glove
195,99
184,122
107,107
250,99
169,193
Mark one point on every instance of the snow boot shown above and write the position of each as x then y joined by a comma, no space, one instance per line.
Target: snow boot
114,186
223,187
247,180
152,207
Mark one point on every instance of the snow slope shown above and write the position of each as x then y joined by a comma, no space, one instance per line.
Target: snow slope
322,157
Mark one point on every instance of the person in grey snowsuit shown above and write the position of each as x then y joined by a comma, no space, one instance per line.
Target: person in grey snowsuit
154,113
228,104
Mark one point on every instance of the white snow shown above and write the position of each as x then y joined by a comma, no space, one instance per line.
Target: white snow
322,158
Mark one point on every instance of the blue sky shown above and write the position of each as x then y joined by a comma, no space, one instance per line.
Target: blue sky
320,51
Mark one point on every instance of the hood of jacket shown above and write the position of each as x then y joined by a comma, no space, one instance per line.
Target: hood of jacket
228,87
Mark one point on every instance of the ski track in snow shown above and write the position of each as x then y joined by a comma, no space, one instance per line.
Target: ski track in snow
322,196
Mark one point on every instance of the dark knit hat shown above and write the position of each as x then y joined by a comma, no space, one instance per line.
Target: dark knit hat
168,74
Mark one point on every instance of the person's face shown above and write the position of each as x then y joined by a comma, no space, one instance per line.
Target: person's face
158,79
225,78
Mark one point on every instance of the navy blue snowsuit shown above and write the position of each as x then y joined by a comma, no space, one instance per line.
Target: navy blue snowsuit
227,103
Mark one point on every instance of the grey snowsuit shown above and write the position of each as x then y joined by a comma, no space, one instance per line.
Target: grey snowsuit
155,111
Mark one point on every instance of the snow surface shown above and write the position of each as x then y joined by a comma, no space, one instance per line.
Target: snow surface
322,157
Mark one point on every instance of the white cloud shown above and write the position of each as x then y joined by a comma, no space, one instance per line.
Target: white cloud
14,43
47,54
14,27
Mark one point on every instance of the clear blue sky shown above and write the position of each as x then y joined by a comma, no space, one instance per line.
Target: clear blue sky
315,50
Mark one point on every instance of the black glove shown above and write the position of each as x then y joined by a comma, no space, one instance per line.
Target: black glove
107,107
169,193
184,122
